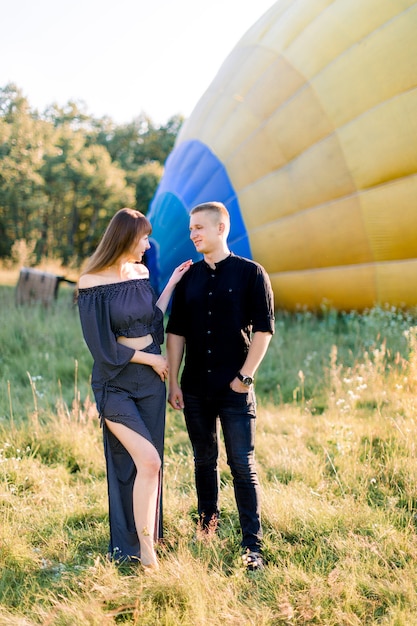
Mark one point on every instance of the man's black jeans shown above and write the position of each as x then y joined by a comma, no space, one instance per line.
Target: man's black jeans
237,413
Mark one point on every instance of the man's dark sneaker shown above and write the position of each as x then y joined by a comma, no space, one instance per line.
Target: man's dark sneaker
253,561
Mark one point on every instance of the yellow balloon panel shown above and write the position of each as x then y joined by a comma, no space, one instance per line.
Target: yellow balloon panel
318,175
347,288
344,288
286,134
282,246
280,81
291,24
244,169
395,283
376,149
299,124
390,219
365,70
339,28
366,220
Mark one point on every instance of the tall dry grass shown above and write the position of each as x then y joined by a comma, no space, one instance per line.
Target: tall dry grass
336,441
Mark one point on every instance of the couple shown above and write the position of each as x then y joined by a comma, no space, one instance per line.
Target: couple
222,318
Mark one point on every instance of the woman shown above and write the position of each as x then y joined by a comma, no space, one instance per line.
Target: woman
122,323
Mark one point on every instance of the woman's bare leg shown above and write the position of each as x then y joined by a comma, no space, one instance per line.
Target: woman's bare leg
145,488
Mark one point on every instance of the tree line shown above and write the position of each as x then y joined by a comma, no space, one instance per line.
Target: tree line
63,174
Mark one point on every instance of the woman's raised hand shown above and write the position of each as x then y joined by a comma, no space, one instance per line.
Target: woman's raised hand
175,277
179,271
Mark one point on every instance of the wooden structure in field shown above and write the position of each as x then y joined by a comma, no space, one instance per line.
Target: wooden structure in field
37,287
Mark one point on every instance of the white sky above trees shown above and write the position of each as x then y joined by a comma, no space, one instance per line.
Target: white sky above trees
120,58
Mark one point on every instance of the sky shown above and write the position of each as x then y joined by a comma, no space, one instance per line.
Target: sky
120,58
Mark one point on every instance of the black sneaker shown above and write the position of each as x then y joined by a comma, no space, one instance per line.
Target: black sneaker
253,561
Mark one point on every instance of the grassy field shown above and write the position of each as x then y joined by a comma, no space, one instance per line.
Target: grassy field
336,453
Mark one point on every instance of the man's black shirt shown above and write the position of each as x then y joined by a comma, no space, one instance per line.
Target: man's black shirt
217,310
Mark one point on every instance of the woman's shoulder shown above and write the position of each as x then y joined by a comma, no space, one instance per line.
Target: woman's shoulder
91,280
139,270
86,281
135,271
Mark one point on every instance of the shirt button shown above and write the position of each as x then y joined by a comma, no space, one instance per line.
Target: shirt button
208,351
209,313
209,332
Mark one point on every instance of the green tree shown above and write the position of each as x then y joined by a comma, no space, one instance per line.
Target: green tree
140,148
73,115
138,143
24,143
84,188
63,173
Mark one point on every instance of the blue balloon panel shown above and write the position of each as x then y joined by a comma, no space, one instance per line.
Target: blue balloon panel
193,174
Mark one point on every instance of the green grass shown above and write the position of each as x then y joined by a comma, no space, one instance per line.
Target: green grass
336,454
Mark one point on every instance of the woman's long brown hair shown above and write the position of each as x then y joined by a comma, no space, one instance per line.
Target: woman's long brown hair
121,234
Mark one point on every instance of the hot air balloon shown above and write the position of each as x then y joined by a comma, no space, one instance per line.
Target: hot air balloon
308,134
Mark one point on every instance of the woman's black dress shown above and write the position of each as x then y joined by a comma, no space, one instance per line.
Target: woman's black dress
129,393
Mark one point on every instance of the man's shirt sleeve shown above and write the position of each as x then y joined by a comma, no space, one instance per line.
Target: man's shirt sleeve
177,318
263,299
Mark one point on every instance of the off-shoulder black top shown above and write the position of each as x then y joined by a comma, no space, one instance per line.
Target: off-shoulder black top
127,309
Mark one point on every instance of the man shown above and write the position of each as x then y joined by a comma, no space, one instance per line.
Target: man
222,317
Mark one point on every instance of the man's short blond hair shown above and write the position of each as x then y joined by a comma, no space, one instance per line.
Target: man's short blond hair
215,208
